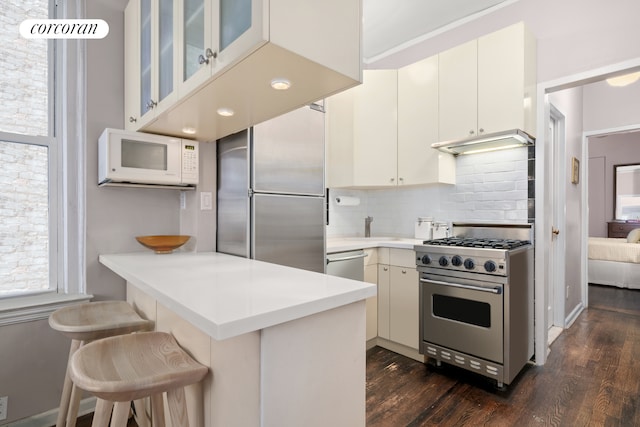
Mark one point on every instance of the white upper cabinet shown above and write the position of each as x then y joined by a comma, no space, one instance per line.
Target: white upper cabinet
458,97
230,51
150,60
379,134
418,115
376,129
488,85
362,133
507,80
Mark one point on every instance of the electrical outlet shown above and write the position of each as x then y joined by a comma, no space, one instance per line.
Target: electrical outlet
567,292
4,402
183,200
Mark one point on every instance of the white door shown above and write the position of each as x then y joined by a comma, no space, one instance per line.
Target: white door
556,286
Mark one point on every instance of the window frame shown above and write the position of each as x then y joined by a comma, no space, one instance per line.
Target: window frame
66,174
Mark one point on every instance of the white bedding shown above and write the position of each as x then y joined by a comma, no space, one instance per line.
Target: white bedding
614,262
601,248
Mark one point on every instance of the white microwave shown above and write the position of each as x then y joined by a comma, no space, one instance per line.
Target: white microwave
126,157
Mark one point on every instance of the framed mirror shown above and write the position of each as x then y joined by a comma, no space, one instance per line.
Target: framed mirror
626,184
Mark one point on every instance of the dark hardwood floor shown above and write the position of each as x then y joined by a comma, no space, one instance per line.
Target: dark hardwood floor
591,378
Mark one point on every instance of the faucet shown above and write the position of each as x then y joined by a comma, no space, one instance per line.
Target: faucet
367,226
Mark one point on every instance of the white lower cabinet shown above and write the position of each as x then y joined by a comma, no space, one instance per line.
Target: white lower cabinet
398,317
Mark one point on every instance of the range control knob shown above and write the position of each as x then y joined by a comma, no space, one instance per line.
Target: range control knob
426,259
456,260
443,261
490,266
469,264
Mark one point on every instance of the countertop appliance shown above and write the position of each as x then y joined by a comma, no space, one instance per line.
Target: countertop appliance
476,298
138,158
271,199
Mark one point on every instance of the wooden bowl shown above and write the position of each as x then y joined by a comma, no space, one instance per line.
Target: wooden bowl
162,244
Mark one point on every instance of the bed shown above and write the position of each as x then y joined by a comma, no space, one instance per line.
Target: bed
614,262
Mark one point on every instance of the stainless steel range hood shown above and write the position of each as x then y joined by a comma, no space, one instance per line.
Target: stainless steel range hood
486,142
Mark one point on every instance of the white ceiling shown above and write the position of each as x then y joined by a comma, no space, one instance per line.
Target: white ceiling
391,24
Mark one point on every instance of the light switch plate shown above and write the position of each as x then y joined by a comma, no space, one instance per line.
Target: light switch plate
206,201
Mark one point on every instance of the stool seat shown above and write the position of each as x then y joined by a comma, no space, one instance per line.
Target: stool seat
95,320
84,323
130,367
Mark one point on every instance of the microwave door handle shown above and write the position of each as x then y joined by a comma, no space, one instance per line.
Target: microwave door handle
495,290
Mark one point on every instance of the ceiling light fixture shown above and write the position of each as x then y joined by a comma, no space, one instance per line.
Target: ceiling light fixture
189,130
225,112
624,80
280,84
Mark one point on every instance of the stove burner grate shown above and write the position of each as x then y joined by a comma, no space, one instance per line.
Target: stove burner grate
473,242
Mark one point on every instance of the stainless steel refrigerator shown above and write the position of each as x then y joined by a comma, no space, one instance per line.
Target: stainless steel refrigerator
271,204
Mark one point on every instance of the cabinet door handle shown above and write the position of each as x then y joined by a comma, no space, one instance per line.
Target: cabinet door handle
481,130
385,268
151,104
471,132
401,180
404,271
208,53
392,179
132,119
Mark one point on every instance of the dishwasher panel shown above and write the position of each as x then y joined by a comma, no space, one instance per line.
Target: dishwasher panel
349,265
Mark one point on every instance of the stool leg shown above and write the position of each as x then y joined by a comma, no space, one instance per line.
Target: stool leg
157,410
120,414
177,407
66,389
102,414
142,419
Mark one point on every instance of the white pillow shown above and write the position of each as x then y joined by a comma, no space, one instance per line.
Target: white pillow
634,236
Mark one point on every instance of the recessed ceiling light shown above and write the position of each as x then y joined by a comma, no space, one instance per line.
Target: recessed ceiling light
189,130
225,112
280,84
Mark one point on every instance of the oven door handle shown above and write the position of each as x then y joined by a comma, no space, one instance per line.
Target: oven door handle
496,290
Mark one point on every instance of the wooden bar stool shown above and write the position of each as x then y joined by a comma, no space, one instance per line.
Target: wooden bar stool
88,322
120,369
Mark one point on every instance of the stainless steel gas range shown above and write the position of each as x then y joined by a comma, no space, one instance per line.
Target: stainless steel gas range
476,298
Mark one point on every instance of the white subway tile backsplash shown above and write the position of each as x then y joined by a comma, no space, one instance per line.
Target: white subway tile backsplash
490,187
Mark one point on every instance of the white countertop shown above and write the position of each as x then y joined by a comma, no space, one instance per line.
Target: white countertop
340,244
226,296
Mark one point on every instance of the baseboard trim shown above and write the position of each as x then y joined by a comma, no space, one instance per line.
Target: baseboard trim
49,418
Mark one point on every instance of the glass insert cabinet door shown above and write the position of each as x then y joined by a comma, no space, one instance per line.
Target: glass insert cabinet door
217,34
165,49
156,53
145,56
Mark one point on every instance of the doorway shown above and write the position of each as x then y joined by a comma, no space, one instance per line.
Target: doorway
548,268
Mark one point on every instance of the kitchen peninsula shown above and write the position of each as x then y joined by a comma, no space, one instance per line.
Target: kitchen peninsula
284,346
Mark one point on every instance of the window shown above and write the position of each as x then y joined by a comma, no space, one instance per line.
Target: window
27,144
36,140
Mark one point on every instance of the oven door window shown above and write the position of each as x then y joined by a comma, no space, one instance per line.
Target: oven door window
462,310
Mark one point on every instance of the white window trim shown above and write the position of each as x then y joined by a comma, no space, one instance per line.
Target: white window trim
68,229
